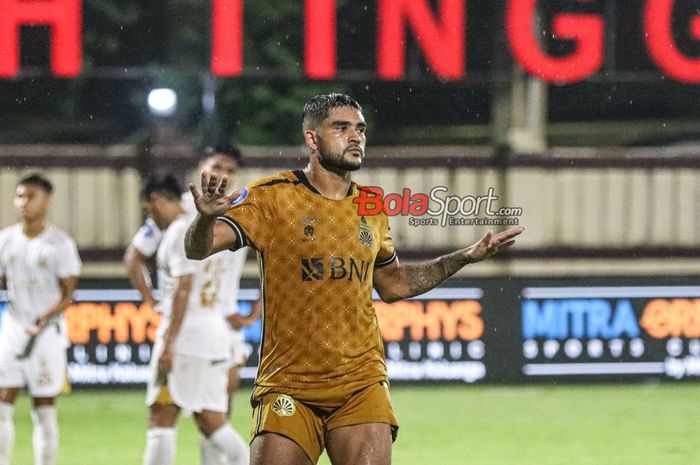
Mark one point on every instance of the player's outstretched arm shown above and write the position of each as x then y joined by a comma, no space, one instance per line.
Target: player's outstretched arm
395,281
205,236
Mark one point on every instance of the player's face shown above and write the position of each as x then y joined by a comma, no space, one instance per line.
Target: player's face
341,140
31,202
152,208
220,165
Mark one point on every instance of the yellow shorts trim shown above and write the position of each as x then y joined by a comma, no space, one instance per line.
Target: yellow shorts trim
164,397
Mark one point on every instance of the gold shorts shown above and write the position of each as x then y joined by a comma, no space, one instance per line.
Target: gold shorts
308,426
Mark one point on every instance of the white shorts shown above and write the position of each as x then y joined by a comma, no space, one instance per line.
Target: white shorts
193,384
43,372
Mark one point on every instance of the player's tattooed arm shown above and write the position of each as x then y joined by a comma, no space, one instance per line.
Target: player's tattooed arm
206,236
395,281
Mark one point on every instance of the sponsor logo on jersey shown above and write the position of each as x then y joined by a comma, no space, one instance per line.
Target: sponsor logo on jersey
365,233
284,406
312,269
241,198
315,269
307,223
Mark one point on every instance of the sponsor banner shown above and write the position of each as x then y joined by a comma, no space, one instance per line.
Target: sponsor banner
435,337
623,331
494,330
111,336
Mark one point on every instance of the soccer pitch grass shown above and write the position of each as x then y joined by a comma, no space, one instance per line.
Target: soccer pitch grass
452,425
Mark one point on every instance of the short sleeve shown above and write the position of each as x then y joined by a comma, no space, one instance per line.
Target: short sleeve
67,259
250,216
147,238
386,254
178,263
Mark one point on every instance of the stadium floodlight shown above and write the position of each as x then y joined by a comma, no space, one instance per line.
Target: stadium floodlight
162,102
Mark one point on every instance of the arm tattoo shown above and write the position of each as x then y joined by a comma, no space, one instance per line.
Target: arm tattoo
422,277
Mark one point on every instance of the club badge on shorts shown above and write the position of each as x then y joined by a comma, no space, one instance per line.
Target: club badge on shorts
284,406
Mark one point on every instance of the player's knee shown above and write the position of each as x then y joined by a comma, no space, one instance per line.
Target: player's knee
8,395
208,421
162,416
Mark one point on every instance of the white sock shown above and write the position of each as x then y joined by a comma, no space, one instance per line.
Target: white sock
211,455
160,446
231,444
45,435
7,432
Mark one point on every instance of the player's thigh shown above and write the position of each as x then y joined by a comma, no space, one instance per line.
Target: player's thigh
275,449
295,422
162,415
365,444
12,375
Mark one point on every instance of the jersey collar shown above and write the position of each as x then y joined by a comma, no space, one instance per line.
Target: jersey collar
301,176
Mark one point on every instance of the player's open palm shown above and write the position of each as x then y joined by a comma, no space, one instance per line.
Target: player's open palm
213,200
491,244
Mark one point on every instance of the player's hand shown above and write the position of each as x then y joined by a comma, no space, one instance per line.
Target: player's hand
36,328
165,361
238,321
213,200
491,244
150,302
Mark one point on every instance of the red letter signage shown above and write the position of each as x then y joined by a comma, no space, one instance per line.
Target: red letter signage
662,48
62,16
442,40
320,49
586,30
227,37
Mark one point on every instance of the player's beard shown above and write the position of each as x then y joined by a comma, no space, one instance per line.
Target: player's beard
336,162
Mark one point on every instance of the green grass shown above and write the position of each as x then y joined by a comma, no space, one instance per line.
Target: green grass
455,425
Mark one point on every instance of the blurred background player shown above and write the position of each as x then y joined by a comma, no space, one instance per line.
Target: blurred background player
192,340
223,159
40,265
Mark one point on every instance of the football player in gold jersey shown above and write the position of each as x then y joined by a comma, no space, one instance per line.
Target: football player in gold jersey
322,380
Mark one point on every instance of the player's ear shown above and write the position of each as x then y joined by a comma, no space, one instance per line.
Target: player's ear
310,137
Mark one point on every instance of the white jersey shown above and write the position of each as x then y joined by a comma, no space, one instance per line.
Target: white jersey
204,330
32,268
148,238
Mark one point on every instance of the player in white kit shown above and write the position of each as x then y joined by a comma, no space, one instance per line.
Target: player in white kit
39,265
225,160
192,340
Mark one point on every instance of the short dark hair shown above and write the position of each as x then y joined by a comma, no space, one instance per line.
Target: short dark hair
36,179
166,185
222,148
319,107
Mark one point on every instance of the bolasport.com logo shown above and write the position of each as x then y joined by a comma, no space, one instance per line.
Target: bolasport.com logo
436,208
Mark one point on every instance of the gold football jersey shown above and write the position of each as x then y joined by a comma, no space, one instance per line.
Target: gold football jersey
317,257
